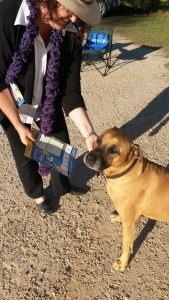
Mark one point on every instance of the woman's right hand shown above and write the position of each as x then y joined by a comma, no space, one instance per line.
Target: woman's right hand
8,107
25,134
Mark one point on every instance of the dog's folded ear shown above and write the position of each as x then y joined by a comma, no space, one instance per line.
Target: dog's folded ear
137,152
115,128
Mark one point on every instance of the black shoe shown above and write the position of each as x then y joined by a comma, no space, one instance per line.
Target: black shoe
77,190
44,208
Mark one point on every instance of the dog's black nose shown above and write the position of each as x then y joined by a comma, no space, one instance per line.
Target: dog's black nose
91,158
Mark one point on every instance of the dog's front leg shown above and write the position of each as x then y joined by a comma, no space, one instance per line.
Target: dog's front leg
128,237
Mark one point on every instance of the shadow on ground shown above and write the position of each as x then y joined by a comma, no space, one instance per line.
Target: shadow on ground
95,60
142,236
134,54
152,116
80,177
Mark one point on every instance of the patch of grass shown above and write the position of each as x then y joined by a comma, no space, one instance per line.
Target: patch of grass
150,30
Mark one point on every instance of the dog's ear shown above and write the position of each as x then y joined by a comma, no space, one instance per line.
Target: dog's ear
137,152
115,128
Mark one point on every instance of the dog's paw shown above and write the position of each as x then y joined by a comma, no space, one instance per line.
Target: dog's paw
115,217
119,265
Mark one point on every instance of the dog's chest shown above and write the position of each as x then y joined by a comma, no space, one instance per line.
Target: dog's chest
115,191
119,191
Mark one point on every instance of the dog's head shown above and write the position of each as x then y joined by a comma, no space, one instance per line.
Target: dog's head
113,150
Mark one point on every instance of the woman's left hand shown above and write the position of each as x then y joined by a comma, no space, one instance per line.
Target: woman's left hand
91,142
81,119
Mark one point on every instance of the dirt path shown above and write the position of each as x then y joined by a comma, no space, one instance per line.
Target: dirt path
69,255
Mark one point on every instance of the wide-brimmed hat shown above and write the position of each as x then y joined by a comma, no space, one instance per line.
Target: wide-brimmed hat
87,10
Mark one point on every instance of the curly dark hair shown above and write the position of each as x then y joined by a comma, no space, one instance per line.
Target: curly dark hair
82,28
50,4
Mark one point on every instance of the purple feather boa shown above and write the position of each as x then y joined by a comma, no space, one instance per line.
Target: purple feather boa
26,46
52,90
52,83
52,79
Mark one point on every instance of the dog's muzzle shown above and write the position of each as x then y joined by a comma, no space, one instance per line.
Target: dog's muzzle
92,161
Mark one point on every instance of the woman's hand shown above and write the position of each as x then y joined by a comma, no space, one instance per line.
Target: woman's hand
8,107
81,119
91,142
25,134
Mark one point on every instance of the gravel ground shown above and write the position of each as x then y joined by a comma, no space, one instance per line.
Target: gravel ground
69,255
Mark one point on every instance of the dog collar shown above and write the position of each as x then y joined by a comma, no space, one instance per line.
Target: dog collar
124,172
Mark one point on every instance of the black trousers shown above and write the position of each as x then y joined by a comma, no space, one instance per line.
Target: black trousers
28,169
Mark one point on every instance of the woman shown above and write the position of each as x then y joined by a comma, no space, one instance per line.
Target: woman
43,60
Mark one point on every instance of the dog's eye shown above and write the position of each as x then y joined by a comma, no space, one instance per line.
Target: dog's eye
113,149
99,141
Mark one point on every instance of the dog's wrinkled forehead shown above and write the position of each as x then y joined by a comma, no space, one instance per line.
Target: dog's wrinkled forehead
113,136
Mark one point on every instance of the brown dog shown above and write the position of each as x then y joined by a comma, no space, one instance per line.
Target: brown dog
137,186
